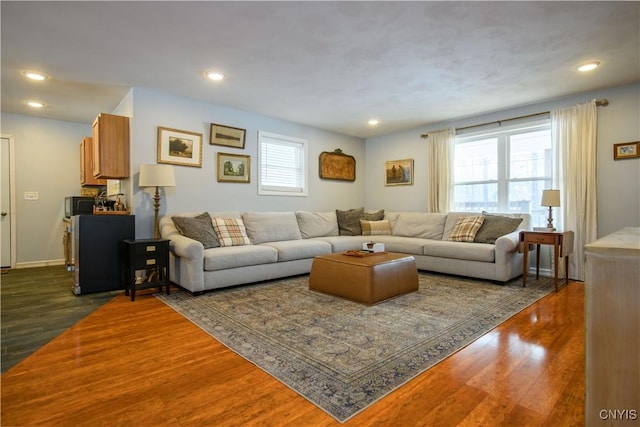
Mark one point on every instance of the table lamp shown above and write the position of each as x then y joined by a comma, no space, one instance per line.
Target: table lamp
156,176
550,198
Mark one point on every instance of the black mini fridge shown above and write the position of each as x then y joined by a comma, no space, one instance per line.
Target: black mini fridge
98,251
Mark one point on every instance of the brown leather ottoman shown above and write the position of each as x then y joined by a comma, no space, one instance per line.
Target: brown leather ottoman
368,279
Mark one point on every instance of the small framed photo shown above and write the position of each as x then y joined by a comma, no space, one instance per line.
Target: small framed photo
398,172
179,147
234,168
227,136
627,150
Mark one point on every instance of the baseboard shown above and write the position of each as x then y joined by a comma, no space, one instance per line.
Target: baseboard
34,264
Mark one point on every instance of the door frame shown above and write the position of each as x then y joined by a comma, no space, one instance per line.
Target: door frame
12,202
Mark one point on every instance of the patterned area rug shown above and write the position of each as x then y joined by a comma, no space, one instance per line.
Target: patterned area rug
341,355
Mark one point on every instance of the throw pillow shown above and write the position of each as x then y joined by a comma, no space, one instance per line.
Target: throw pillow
197,228
375,228
231,232
466,228
495,226
349,221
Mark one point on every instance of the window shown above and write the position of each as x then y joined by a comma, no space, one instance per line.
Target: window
504,171
282,165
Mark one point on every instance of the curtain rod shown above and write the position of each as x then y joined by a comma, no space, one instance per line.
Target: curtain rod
599,103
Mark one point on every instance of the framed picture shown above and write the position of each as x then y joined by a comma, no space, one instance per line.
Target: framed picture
227,136
179,147
627,150
337,165
234,168
398,172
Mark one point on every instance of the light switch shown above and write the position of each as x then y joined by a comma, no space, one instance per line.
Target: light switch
31,195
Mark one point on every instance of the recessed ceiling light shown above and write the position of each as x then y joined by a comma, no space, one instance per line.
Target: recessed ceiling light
588,66
373,122
34,104
214,75
33,75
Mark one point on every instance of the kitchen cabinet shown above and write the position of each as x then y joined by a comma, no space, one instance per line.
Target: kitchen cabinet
111,146
86,164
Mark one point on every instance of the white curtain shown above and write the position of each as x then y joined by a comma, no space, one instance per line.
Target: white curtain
573,132
440,152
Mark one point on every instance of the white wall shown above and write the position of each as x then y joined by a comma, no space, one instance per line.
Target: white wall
197,189
47,161
618,182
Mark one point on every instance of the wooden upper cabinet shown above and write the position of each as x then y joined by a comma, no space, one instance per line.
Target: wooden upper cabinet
86,164
111,146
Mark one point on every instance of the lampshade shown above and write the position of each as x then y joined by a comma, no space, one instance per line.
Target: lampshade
550,198
156,176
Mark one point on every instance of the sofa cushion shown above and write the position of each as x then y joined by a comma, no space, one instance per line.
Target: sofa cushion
375,228
344,243
466,228
405,245
231,231
271,226
316,224
426,225
290,250
455,250
495,226
238,256
198,228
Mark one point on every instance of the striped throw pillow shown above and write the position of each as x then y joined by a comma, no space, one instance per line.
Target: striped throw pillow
466,228
231,232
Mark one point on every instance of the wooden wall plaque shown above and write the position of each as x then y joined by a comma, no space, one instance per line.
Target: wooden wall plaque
337,165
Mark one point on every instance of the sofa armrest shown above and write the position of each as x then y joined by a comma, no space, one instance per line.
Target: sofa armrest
508,243
188,266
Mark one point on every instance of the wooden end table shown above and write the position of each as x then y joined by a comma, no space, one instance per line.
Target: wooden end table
562,242
151,255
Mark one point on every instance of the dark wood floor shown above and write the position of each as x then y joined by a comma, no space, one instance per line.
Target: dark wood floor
141,363
37,305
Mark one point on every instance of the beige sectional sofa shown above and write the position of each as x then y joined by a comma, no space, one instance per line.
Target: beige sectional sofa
269,245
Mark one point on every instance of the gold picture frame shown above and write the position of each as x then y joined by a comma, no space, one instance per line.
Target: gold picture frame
179,147
626,150
227,136
398,172
337,165
234,168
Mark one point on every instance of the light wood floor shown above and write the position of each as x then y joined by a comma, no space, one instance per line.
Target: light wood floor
142,364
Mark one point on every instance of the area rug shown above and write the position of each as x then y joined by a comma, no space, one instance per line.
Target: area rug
341,355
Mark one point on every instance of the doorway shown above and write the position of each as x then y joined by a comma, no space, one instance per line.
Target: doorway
7,203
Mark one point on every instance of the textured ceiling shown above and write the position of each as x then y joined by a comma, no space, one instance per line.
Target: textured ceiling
332,65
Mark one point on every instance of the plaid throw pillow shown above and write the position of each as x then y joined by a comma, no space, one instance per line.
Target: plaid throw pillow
466,228
231,232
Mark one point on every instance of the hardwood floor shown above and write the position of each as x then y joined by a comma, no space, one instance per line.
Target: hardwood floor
141,363
37,305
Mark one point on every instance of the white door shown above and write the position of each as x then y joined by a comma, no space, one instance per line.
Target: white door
5,204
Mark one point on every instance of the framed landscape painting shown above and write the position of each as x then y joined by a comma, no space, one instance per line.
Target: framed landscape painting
179,147
398,172
234,168
227,136
627,150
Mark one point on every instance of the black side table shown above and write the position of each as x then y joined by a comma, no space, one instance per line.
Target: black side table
151,255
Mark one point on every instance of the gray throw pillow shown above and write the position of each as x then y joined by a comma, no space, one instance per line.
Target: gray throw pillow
349,220
197,228
495,226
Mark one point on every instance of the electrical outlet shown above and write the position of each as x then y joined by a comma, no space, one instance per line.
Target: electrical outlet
31,195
